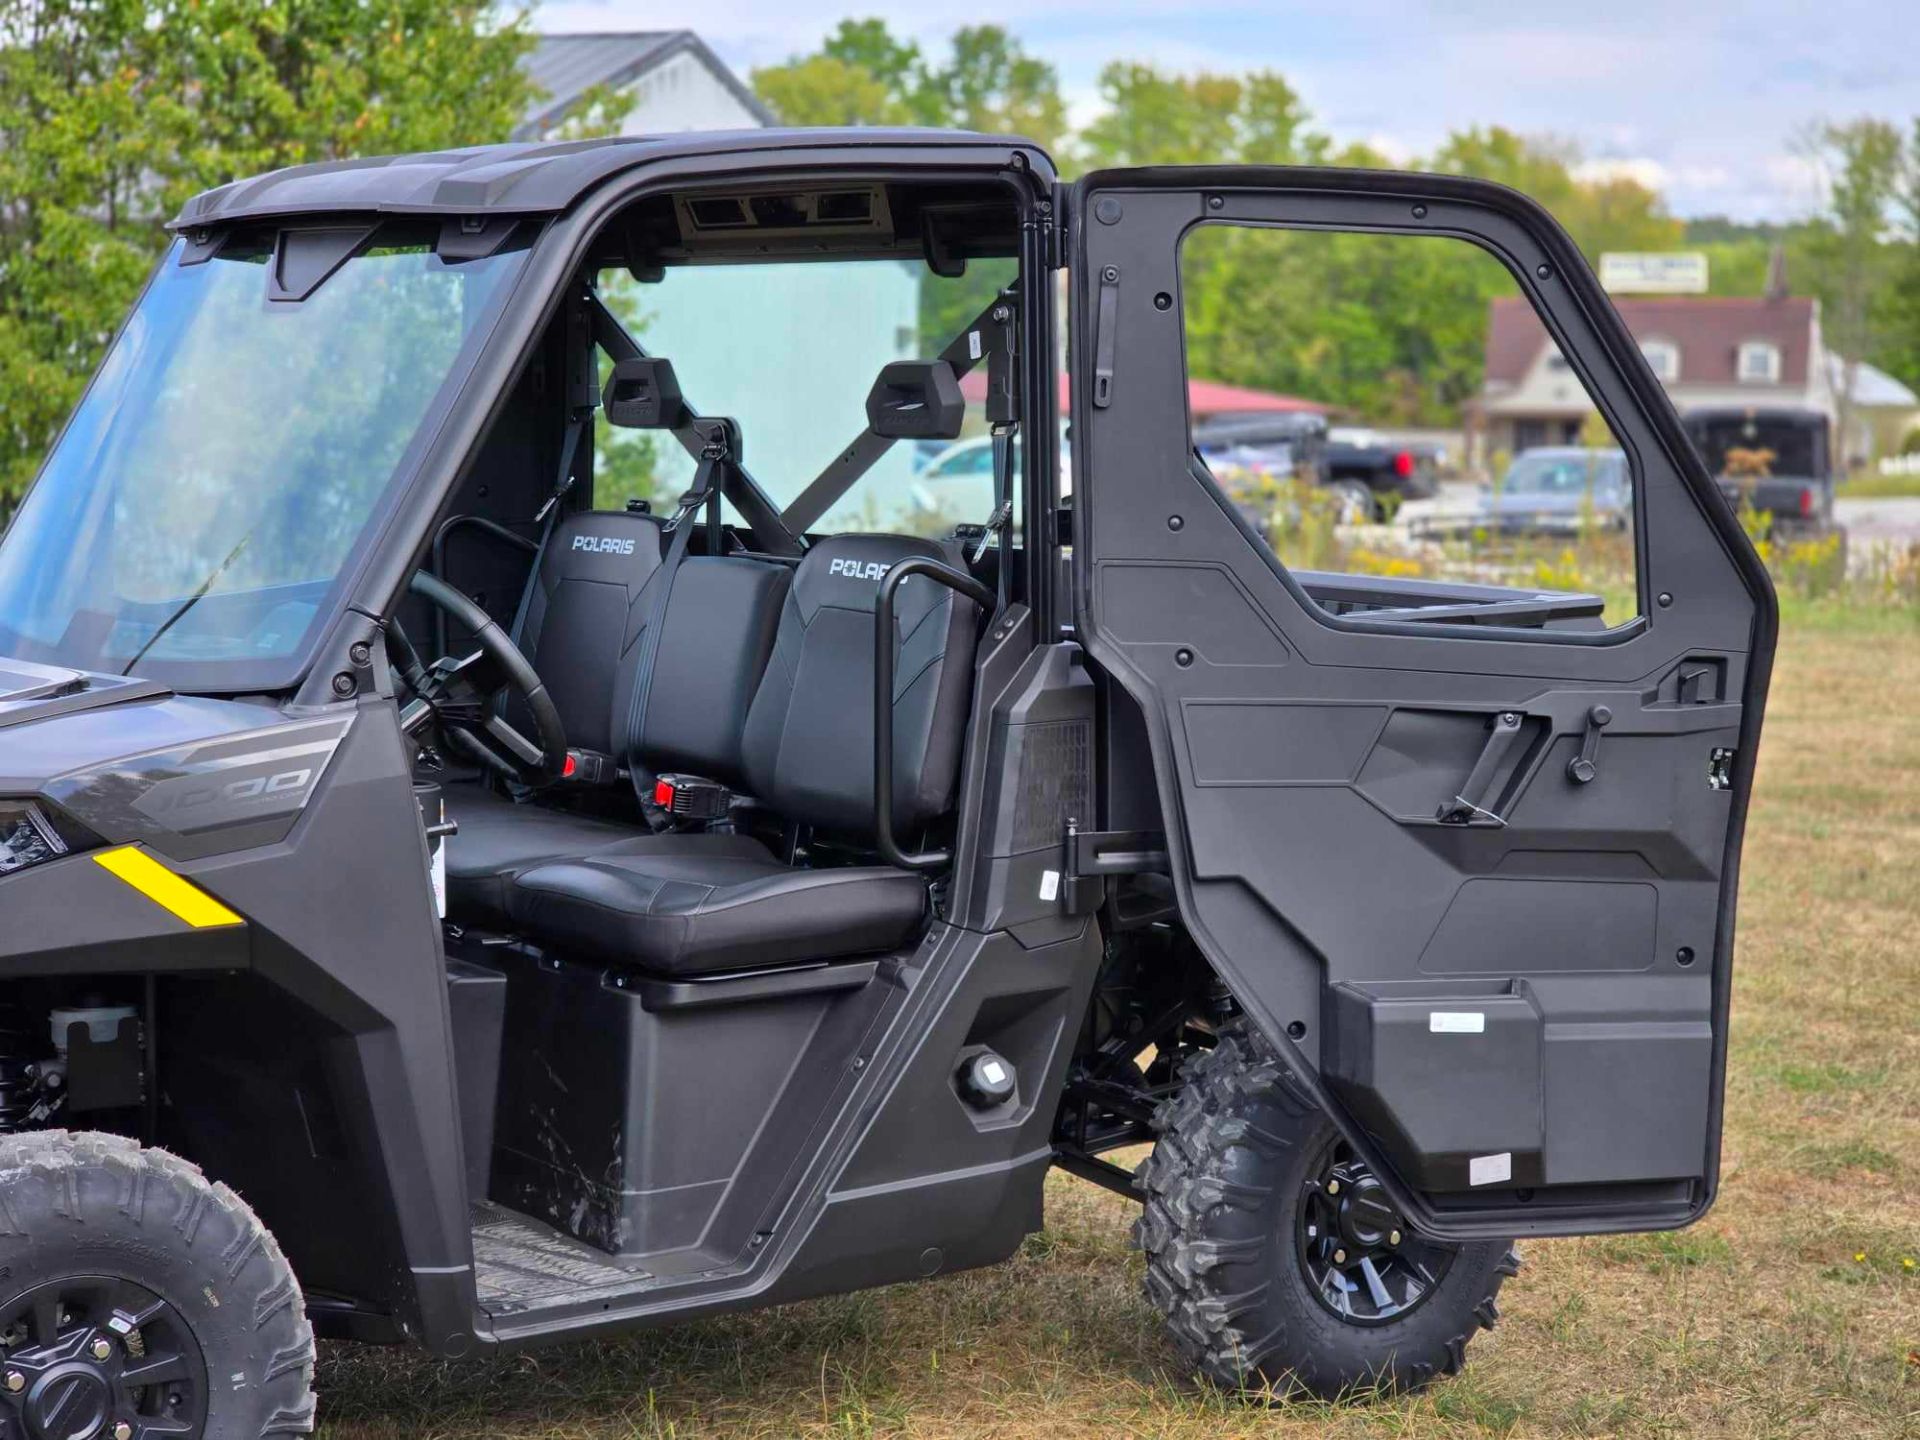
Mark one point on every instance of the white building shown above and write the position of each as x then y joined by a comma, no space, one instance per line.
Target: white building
674,80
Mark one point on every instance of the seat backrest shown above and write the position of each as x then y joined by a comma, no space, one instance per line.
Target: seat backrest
585,611
714,642
809,735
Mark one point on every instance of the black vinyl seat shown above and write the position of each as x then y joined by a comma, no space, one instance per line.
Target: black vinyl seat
715,902
585,622
703,903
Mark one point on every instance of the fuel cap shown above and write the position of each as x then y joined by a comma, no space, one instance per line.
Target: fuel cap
987,1080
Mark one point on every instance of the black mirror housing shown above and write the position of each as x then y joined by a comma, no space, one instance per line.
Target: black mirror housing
916,400
643,393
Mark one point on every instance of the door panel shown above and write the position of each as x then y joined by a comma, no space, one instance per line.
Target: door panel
1509,983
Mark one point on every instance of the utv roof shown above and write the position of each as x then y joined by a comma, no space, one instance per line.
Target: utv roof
535,177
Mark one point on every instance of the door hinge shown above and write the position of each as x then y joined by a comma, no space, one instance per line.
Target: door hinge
1093,855
1053,214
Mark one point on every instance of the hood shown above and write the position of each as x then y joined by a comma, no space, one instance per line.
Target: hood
30,692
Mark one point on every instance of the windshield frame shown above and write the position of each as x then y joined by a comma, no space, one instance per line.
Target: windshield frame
285,670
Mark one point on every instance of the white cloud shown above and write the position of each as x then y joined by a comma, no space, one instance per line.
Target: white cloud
1703,99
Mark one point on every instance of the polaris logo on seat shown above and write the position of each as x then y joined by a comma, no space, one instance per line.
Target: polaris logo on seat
603,544
858,569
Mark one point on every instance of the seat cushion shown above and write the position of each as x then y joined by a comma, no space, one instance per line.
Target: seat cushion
498,838
720,903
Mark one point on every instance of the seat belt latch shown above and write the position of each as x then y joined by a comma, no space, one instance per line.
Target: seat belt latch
688,797
590,767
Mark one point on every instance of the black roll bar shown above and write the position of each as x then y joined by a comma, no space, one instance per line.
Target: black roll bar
883,658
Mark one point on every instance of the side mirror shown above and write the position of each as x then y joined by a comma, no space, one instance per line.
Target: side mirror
644,394
916,400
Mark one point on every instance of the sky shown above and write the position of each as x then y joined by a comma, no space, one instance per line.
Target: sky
1709,101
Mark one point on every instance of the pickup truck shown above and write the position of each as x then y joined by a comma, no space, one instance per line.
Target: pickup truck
1773,460
1357,465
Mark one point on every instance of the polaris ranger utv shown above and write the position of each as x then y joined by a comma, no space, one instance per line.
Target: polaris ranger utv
452,896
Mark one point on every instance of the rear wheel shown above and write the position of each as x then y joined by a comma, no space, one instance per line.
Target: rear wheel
139,1301
1275,1255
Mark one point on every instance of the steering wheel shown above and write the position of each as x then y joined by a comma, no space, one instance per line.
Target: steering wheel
461,696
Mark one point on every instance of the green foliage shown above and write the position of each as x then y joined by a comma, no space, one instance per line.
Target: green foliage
1391,328
1156,118
114,112
864,75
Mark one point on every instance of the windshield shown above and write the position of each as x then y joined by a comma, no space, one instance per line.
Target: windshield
223,473
1568,472
790,350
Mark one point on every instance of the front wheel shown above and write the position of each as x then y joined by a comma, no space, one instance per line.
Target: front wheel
140,1301
1275,1256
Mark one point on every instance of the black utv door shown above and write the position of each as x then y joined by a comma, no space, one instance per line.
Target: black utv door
1467,854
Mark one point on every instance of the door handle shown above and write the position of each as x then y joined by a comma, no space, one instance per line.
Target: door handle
1468,806
1584,766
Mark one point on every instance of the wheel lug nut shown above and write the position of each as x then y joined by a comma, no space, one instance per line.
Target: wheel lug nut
1393,1237
1339,1257
1333,1187
16,1382
102,1349
123,1431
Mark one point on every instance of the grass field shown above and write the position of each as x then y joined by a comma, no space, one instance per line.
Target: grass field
1793,1309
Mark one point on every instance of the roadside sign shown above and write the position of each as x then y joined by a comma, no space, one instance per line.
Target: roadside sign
1654,273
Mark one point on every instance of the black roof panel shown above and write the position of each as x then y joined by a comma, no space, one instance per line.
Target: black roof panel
526,178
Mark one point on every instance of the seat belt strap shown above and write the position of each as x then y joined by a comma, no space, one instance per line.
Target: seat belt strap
714,456
548,517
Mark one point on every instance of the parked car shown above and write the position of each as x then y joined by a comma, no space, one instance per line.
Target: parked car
1775,460
1382,465
1552,490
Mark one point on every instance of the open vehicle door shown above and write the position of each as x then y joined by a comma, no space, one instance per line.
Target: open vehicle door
1467,856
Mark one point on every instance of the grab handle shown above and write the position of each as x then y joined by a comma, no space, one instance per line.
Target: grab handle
883,666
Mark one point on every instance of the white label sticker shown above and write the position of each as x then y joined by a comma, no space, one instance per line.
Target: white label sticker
1490,1169
1049,884
973,344
1457,1022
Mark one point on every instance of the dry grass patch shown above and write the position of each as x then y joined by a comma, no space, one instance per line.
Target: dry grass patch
1793,1309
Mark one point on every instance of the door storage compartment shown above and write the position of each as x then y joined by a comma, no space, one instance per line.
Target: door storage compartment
1448,1076
1542,1081
629,1106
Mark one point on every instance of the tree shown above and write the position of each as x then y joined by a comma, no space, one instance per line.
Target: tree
1152,117
863,75
1600,214
827,90
1862,161
114,112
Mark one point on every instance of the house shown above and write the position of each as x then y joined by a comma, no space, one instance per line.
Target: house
675,82
1706,350
1882,412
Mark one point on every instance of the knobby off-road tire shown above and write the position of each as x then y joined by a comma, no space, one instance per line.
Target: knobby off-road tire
1238,1148
91,1205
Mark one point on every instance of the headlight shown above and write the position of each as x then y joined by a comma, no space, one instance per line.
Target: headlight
27,836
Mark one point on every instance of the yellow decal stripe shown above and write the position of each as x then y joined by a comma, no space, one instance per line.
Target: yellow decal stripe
166,889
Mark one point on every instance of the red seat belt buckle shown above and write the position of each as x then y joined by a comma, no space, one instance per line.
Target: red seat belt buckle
663,794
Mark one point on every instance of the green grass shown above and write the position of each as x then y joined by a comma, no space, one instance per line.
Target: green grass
1792,1310
1878,487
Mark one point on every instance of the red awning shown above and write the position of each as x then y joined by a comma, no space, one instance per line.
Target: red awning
1204,397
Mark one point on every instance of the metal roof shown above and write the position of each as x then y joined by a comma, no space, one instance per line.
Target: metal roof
565,67
531,177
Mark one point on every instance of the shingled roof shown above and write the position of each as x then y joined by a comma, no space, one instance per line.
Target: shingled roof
1708,329
565,67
